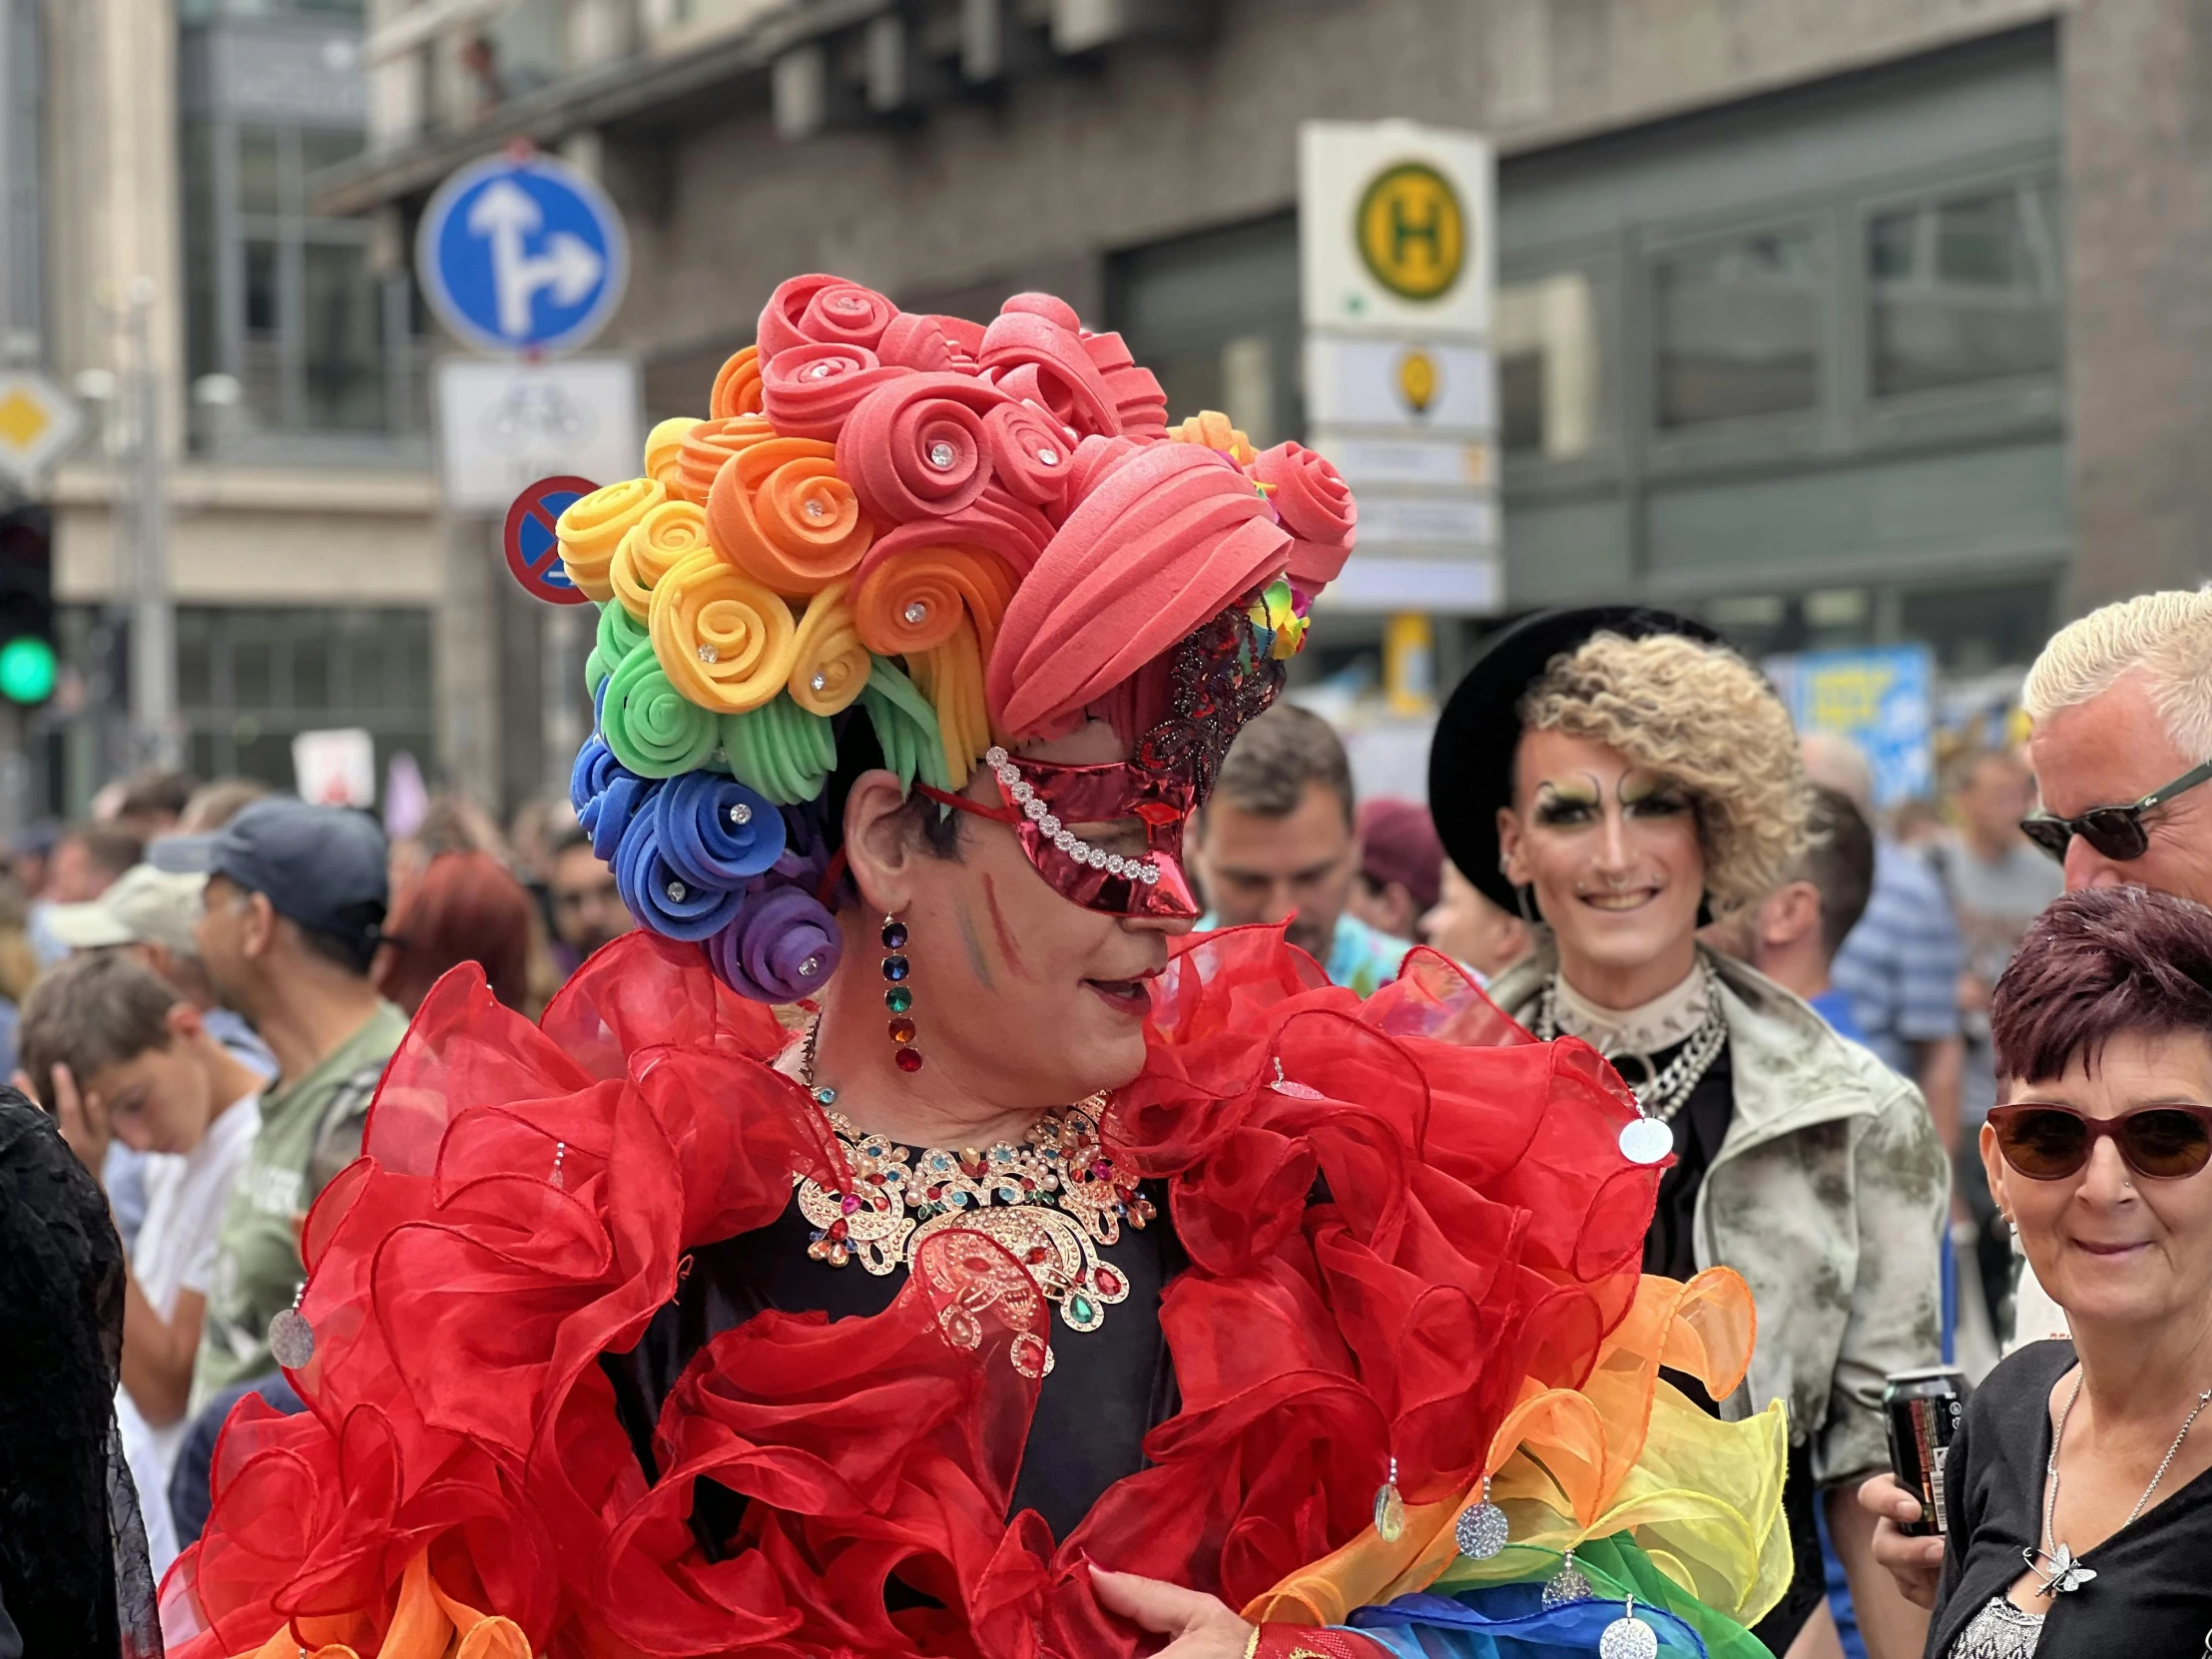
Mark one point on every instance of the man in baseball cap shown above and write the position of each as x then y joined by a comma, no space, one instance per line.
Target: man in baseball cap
294,909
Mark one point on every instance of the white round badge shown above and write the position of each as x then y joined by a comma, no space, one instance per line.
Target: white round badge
1646,1141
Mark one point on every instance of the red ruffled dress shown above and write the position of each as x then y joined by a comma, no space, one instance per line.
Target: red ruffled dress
1394,1212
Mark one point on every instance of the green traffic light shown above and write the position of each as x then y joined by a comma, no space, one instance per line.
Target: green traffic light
26,670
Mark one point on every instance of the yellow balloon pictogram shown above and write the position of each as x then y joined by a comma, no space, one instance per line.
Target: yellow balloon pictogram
1413,231
1418,379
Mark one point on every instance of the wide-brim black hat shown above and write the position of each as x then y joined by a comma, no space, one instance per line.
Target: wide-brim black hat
1471,760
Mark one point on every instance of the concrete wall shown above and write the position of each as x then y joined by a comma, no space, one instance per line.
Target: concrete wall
2138,77
1149,141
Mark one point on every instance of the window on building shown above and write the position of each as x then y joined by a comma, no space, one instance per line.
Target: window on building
251,678
1546,333
1965,288
1216,318
1737,329
288,310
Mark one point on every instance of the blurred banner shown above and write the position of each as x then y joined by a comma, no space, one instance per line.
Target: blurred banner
335,769
1881,696
1397,266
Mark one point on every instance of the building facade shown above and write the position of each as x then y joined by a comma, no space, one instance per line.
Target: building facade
1836,321
287,361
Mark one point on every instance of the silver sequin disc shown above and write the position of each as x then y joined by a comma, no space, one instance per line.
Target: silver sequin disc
1628,1638
1480,1532
1646,1141
1568,1585
291,1339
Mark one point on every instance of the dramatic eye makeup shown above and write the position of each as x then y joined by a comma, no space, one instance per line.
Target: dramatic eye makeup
1653,794
1564,802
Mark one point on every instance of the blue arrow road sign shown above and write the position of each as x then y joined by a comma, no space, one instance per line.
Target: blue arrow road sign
522,255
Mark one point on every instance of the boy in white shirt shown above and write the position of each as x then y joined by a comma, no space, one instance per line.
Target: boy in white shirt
112,1051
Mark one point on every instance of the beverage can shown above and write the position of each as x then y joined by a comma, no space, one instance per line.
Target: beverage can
1923,1410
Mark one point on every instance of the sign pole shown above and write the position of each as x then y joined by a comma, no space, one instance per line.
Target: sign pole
154,736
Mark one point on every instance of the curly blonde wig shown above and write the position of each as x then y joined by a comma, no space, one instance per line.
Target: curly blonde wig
1704,717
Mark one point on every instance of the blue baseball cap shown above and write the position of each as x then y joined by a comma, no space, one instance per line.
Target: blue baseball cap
321,867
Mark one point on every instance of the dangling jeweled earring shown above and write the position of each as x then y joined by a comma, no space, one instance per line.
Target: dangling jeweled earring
898,997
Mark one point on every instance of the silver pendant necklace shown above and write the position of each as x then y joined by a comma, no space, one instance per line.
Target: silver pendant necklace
2065,1573
1661,1094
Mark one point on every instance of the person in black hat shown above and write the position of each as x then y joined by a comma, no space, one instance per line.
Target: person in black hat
1619,778
294,911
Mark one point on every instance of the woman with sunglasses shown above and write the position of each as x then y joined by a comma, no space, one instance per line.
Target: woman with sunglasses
2078,1494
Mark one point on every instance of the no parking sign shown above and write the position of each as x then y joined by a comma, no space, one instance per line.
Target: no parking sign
533,550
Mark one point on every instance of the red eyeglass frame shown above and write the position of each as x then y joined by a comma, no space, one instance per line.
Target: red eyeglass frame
2098,1129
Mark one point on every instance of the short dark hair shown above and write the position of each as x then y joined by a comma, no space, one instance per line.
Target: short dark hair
91,1012
166,794
110,847
1838,861
2098,963
1275,756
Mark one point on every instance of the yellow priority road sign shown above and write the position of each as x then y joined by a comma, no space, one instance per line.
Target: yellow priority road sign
1412,231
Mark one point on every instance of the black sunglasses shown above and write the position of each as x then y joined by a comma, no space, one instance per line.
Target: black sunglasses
2048,1142
2115,832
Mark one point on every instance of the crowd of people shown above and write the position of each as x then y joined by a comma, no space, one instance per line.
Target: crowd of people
1919,1088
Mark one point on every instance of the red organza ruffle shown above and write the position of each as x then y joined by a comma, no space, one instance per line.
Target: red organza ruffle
1389,1230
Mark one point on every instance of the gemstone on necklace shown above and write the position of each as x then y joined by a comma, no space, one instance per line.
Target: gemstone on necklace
825,1095
897,969
909,1060
894,935
903,1030
898,998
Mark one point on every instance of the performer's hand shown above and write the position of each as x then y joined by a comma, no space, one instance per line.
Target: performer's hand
1198,1626
1915,1562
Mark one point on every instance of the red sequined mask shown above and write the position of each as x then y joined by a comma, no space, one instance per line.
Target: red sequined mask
1218,678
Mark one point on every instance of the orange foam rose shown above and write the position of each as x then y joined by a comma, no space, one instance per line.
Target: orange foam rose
736,385
707,445
779,512
916,599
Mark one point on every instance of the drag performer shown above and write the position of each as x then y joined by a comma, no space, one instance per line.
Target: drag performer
1649,781
1053,1283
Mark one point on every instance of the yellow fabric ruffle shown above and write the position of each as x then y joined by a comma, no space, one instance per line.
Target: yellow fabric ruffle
1627,1451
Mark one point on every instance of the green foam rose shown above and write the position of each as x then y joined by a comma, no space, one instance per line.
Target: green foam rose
620,633
653,729
780,750
905,726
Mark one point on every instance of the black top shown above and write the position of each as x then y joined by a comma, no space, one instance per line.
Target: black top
74,1576
1670,1248
2152,1596
1106,1390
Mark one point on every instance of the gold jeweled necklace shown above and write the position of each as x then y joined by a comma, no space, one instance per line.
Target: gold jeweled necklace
1049,1201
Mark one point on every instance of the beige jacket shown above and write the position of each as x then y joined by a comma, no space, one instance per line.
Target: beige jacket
1829,1195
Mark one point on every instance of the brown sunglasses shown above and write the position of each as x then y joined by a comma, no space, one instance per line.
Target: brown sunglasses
2048,1142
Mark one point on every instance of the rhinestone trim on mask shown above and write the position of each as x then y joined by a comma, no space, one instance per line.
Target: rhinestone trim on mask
1073,845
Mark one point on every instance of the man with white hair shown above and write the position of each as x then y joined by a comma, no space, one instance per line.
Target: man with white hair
2121,703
